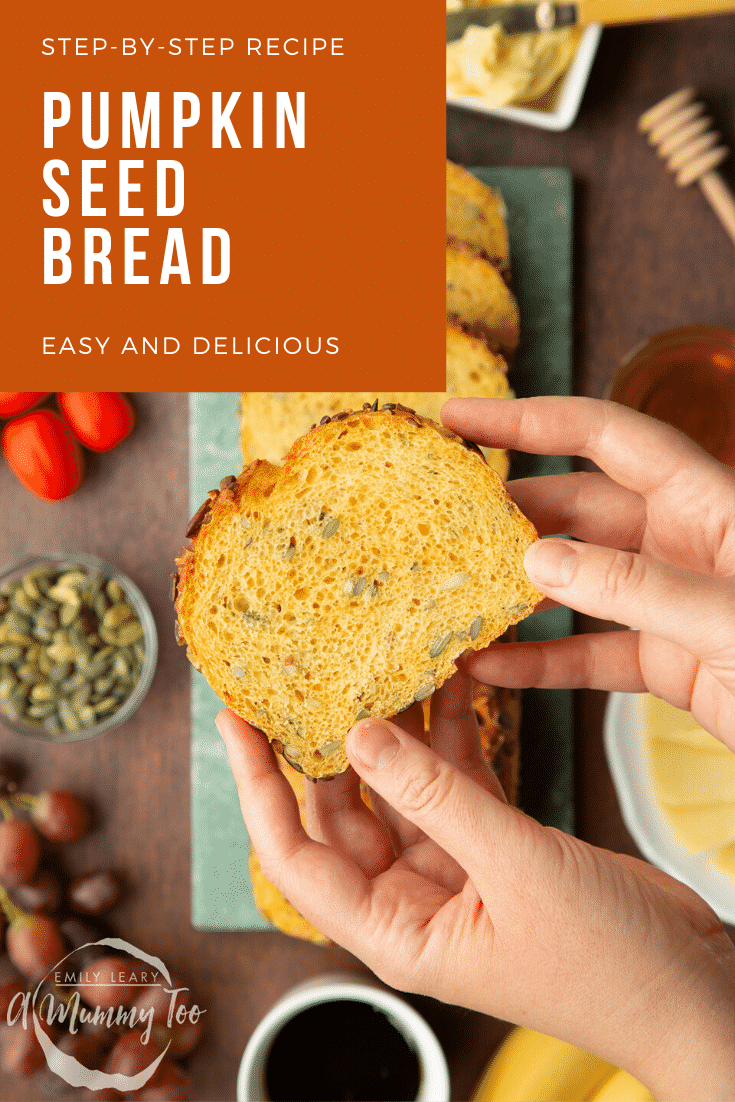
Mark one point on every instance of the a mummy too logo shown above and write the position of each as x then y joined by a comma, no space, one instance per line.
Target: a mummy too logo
108,986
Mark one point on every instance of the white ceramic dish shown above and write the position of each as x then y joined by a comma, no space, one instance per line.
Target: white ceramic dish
626,748
566,102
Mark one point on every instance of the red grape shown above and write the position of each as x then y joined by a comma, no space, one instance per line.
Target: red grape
34,945
10,985
43,893
96,893
169,1084
130,1055
61,816
19,852
184,1037
157,997
105,983
88,1050
20,1051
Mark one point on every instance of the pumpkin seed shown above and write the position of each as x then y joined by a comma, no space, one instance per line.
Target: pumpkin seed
329,748
69,719
114,591
11,652
7,684
30,587
29,674
330,528
129,633
80,697
362,714
22,602
237,672
68,614
105,706
86,716
454,582
101,605
41,711
44,692
440,643
424,692
117,615
475,627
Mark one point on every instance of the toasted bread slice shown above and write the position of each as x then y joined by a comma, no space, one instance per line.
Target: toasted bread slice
479,300
271,422
345,583
476,216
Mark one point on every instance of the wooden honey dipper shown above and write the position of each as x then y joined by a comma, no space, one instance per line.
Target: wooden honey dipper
684,136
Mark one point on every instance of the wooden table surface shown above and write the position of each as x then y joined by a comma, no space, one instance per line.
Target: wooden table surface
647,257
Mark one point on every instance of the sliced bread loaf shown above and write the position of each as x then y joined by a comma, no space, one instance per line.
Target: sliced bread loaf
476,215
345,583
479,300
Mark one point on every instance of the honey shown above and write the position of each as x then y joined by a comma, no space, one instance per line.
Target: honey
685,377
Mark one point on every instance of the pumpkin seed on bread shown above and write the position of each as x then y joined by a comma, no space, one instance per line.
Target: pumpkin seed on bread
345,583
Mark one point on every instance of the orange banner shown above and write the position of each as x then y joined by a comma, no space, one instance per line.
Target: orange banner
245,198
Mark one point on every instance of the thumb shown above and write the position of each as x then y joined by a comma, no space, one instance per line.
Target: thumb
692,610
448,806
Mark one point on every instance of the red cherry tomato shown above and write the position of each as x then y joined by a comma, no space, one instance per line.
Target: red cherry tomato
18,401
43,454
100,421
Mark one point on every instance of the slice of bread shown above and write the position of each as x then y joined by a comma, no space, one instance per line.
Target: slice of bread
345,583
476,216
479,300
271,422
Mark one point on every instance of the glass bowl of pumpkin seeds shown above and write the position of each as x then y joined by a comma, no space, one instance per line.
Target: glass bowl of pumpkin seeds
78,647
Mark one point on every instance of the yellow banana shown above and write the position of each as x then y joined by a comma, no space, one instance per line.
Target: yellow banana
532,1067
622,1087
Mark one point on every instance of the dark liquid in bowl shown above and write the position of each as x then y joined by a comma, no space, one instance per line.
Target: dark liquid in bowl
343,1050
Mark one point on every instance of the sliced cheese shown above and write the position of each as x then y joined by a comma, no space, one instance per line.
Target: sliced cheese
687,775
703,827
665,721
725,860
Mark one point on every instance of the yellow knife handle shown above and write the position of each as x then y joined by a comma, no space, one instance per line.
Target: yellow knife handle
640,11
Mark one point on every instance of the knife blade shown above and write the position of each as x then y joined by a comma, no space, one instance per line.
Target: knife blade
514,18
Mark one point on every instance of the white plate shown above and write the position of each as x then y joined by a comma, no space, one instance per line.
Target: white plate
568,97
626,748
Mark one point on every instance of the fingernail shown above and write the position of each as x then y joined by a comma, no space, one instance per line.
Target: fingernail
551,562
223,722
372,743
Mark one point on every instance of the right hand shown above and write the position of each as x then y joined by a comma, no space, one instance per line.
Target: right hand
653,548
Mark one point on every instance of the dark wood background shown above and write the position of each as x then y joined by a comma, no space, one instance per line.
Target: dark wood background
647,256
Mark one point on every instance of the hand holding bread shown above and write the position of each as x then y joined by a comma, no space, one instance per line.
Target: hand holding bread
653,548
445,890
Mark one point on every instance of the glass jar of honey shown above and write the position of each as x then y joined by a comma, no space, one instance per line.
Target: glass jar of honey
686,377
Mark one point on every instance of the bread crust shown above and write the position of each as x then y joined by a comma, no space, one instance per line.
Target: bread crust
308,731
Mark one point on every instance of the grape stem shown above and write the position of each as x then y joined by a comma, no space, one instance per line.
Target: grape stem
24,800
13,913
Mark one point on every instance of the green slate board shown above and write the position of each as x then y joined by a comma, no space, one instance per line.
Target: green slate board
539,221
